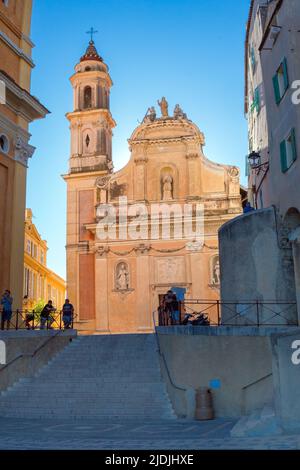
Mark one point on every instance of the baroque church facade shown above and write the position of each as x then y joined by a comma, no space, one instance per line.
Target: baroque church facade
115,283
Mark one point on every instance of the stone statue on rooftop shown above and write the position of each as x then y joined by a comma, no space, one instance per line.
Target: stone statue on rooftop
163,104
150,115
178,113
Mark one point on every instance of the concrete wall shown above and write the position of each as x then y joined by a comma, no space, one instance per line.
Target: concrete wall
255,265
26,343
239,357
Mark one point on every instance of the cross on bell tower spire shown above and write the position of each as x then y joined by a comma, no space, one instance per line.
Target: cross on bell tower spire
92,32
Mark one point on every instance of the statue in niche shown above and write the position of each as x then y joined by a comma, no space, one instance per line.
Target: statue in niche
163,104
167,188
150,115
216,272
122,277
178,113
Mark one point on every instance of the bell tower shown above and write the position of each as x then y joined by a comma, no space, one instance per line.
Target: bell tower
91,122
91,126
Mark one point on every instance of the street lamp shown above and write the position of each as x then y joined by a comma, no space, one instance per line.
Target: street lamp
257,168
254,160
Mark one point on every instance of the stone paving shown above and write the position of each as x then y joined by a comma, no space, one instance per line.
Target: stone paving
90,435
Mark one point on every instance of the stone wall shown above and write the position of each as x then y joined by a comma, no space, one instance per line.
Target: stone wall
238,359
25,344
256,264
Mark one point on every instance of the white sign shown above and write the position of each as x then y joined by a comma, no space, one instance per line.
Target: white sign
296,354
2,352
2,92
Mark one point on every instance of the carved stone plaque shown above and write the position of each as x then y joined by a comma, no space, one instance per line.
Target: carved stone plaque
170,269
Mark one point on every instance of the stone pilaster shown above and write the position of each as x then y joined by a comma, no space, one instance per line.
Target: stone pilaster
101,291
143,301
193,175
140,178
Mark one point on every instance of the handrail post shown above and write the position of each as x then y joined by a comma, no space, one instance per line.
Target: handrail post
257,312
17,319
218,310
60,315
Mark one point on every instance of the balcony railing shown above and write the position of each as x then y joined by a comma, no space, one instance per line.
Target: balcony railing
26,320
243,313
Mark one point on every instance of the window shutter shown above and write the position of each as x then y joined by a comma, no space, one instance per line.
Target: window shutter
294,145
285,74
283,157
257,99
276,89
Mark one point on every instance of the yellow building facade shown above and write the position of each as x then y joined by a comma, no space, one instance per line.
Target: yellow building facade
40,283
18,108
115,283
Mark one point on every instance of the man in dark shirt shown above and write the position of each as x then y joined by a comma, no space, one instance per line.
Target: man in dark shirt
6,303
68,312
46,316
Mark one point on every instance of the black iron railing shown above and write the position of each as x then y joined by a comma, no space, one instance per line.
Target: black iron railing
243,313
31,320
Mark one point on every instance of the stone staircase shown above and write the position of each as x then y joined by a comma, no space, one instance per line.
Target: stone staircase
113,377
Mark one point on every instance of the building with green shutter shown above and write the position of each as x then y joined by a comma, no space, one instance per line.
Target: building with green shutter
265,243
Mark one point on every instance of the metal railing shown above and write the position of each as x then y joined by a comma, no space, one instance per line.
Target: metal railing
243,313
31,320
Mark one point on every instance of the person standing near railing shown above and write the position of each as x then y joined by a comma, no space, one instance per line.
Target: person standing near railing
67,314
46,317
6,302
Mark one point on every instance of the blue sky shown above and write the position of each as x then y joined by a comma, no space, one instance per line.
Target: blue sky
191,51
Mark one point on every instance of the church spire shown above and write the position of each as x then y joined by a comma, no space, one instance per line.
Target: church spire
91,53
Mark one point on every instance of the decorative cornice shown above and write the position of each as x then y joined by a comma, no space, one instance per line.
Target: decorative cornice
34,109
187,138
17,50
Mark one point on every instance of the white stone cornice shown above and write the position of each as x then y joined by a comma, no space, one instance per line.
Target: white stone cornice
17,50
28,106
28,40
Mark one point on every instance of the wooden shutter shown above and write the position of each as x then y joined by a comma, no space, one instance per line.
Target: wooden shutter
276,89
283,156
285,74
294,145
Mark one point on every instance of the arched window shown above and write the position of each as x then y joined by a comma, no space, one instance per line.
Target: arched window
87,97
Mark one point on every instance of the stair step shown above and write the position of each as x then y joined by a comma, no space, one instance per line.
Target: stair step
104,377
